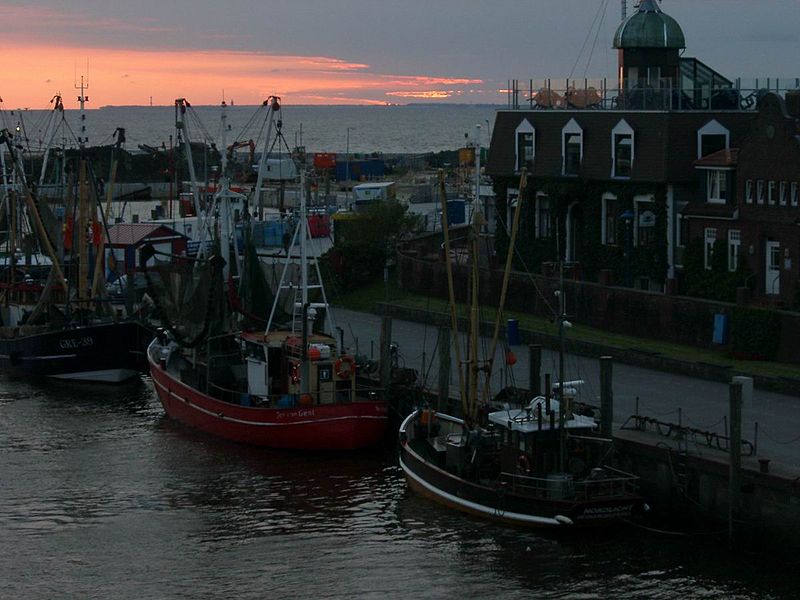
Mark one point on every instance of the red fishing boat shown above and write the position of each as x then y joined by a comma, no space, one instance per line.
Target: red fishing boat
285,386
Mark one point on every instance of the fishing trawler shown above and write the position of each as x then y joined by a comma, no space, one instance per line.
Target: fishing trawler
283,386
536,465
62,324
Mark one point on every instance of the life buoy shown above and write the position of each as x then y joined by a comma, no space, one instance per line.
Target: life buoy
524,464
345,367
294,372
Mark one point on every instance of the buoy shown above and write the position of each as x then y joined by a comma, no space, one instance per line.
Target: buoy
511,358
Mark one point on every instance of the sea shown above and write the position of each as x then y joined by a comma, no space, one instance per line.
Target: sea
408,129
103,496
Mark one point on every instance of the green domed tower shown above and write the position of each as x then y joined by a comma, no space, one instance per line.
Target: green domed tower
649,44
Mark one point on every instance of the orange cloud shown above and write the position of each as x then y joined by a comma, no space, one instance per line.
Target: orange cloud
33,73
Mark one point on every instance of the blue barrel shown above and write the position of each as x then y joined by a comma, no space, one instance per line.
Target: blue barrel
512,333
720,329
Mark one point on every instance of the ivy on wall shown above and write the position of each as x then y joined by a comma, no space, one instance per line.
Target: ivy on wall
716,283
645,261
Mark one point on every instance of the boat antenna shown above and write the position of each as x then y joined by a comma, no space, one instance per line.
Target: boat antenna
83,139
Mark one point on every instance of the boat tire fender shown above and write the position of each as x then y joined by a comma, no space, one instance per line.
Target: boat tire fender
345,366
524,464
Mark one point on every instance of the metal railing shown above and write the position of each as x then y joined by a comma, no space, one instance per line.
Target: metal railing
607,482
661,95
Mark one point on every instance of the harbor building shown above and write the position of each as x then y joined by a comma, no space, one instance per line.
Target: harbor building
621,174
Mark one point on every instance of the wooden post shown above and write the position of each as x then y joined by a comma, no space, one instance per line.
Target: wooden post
386,354
735,447
606,396
547,388
443,344
535,369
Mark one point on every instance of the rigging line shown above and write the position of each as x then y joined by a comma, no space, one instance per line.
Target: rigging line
518,254
596,35
585,41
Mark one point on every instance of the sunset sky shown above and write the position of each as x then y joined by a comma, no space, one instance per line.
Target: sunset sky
353,51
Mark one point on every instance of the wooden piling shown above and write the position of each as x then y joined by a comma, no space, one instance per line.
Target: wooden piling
443,344
535,369
386,353
735,448
606,396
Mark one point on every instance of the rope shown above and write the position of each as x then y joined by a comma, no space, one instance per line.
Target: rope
761,430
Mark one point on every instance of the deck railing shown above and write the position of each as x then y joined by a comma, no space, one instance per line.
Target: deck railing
607,482
661,95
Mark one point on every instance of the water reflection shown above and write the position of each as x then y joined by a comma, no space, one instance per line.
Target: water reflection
102,495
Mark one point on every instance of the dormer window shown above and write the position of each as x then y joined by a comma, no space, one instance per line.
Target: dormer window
525,145
621,150
717,186
571,148
711,138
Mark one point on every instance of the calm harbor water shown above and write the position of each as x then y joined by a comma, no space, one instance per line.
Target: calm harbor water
101,496
388,129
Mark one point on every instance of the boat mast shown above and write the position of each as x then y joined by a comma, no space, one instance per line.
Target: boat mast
58,107
523,181
451,294
474,321
273,105
181,124
562,408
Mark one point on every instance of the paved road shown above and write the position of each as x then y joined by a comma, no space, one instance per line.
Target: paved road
703,404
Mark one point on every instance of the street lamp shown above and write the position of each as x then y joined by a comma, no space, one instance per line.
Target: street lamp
627,218
347,176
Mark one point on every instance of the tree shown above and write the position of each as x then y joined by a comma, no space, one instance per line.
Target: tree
364,244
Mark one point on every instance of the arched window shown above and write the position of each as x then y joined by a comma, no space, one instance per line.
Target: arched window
711,138
571,148
525,148
622,150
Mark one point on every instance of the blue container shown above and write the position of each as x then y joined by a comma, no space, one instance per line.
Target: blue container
456,212
512,333
287,401
720,329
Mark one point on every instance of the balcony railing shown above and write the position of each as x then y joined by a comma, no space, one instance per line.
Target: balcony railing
661,95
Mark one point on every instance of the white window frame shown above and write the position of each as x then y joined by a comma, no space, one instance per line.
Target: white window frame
571,128
604,212
638,200
760,191
512,197
748,191
524,127
540,196
709,239
734,248
793,193
715,179
621,128
782,193
713,127
771,193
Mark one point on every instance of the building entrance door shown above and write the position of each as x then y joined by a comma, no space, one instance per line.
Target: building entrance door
773,270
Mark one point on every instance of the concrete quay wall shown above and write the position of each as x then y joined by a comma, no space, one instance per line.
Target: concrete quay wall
695,487
628,356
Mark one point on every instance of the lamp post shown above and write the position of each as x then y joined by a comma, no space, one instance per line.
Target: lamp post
627,219
347,176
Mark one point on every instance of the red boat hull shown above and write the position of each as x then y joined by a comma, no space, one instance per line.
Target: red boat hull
324,427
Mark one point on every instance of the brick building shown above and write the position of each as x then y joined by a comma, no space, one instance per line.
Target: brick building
748,200
613,170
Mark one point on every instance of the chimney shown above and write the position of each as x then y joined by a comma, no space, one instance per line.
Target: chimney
793,103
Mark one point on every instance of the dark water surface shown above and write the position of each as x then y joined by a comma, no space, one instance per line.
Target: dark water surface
101,496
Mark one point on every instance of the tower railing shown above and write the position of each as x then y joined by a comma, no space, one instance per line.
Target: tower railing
647,95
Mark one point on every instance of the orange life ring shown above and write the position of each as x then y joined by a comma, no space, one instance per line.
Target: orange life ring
294,372
345,366
524,464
